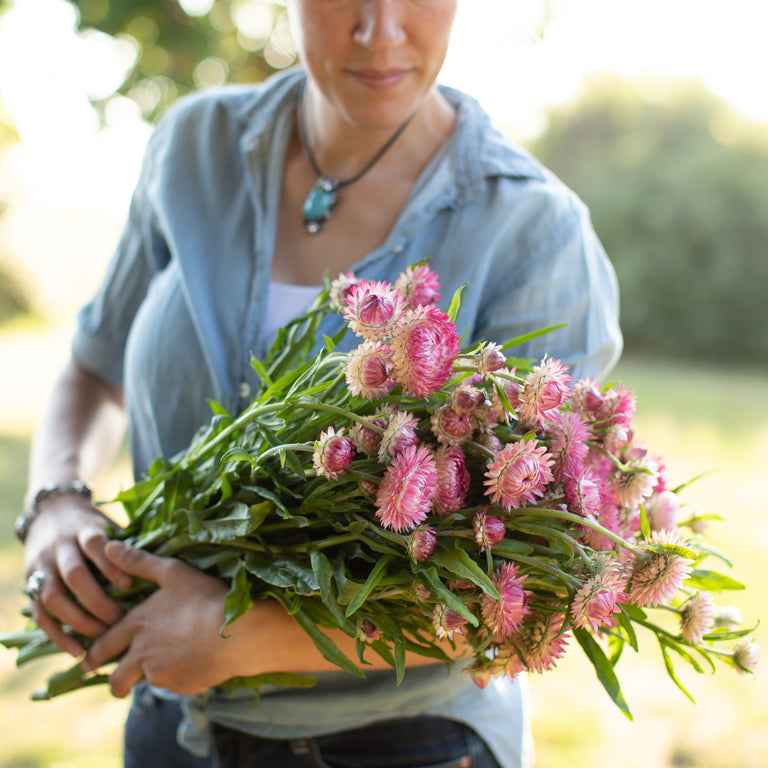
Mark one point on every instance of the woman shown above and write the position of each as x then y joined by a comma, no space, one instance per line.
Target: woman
248,196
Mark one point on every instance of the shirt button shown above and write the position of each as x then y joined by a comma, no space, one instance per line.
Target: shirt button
398,248
245,390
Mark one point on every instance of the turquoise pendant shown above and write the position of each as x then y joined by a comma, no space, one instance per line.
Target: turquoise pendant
319,203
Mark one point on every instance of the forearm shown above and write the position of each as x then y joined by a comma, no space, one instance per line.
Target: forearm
79,431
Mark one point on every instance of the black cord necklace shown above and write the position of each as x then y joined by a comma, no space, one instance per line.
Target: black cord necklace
322,198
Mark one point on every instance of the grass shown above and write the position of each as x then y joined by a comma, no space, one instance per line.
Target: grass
700,418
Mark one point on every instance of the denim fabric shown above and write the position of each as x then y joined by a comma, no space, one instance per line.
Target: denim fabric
150,734
421,742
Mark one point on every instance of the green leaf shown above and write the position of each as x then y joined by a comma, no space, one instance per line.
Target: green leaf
442,593
287,679
603,668
711,581
238,600
645,528
323,571
72,679
528,336
461,565
665,645
625,622
399,659
236,453
455,305
374,577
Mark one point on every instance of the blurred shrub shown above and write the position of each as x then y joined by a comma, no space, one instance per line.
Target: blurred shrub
677,183
181,45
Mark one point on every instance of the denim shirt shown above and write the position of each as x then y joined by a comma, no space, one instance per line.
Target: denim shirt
183,305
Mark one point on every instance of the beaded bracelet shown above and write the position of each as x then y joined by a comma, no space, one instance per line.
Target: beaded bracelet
25,519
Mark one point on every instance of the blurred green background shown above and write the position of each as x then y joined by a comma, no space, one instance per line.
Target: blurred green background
676,179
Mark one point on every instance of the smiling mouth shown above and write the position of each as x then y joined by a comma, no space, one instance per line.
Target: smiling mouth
378,78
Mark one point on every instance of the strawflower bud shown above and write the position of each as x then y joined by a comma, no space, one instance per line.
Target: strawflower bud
422,543
745,657
446,621
490,359
367,631
333,453
489,530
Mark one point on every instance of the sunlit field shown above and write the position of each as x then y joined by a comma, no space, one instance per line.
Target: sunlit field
701,418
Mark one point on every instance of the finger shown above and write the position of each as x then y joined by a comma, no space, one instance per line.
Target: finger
137,562
55,601
83,585
127,673
108,646
55,631
92,542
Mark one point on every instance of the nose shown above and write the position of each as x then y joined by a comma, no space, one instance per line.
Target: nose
380,25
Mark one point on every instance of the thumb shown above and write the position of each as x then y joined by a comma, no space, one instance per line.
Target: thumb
137,562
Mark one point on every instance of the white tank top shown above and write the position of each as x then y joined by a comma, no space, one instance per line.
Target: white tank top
285,301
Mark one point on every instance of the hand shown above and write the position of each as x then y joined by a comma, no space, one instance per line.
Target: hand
172,639
65,537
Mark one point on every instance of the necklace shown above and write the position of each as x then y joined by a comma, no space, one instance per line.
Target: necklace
322,198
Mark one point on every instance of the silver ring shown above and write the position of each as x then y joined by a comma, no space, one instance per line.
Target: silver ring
34,588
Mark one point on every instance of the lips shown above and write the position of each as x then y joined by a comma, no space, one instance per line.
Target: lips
380,79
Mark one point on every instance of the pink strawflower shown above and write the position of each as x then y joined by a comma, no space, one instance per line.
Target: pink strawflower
661,510
634,484
570,433
518,474
504,615
422,543
657,576
597,600
373,309
452,480
543,391
540,641
582,493
697,617
616,438
333,453
399,434
369,369
450,427
490,441
419,286
490,359
421,593
367,631
745,656
424,346
446,621
340,288
407,490
466,398
489,530
367,440
619,406
587,398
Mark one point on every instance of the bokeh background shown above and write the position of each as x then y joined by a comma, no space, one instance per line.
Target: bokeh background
655,112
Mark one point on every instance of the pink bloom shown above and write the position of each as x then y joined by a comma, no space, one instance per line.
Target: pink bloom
518,474
745,656
540,641
490,441
661,510
422,543
367,631
446,621
587,398
582,494
597,600
657,576
421,593
419,286
424,346
490,359
367,440
481,673
697,617
373,309
368,370
340,288
407,490
543,391
570,433
466,398
619,406
450,427
333,453
452,480
616,438
635,484
504,615
398,435
489,530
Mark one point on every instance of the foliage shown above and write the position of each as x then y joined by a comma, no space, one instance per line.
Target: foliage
237,41
676,183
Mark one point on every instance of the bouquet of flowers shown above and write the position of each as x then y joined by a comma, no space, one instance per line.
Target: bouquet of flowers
415,493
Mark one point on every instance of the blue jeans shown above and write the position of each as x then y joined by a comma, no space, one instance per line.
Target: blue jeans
414,742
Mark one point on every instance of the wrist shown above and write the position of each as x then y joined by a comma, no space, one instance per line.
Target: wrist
25,519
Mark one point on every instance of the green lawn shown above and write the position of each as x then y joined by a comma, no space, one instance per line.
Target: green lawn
701,419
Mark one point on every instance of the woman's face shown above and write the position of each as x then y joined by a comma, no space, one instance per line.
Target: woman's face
373,61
